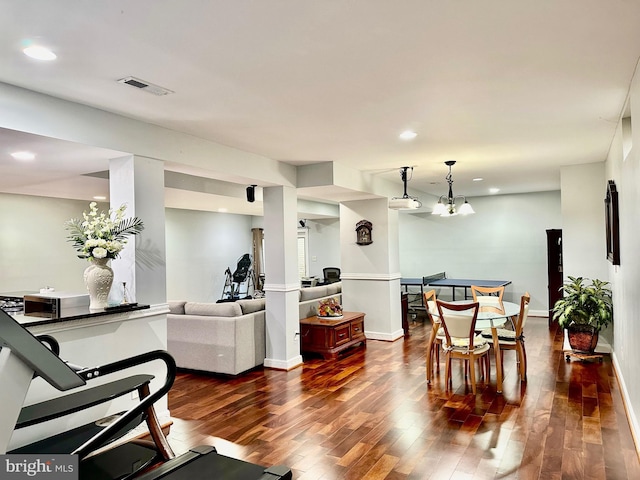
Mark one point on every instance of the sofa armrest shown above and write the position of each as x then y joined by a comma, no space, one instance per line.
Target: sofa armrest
228,345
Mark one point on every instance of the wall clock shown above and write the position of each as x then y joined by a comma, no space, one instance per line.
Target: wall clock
363,232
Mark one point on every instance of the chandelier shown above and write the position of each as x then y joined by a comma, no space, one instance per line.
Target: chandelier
446,206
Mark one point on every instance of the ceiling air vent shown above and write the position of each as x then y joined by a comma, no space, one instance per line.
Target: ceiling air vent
145,86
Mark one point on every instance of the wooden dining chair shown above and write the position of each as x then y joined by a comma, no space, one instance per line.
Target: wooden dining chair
514,339
489,298
461,341
437,333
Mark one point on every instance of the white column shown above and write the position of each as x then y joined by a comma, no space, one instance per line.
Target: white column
282,284
371,273
138,182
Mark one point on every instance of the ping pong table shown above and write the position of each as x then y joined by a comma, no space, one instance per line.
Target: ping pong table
439,280
454,283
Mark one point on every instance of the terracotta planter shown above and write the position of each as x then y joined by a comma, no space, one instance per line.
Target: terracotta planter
582,338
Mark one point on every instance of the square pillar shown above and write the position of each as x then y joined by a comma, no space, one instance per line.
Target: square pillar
371,273
282,285
138,182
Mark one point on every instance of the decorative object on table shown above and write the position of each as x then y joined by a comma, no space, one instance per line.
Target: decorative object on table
586,308
612,223
125,294
446,206
329,308
100,237
363,232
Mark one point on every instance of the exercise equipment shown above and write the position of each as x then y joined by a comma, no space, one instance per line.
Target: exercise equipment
238,284
24,357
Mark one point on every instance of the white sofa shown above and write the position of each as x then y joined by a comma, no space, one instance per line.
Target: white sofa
229,337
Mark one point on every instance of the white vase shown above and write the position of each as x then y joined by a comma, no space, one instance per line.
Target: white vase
98,278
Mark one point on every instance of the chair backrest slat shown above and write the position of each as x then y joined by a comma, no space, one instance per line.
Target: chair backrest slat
430,306
489,298
524,313
458,320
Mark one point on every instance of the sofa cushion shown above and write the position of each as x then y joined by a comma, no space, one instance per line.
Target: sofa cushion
225,309
313,292
334,288
176,307
252,305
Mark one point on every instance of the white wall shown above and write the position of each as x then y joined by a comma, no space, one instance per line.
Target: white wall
625,278
504,240
34,252
583,229
200,246
324,245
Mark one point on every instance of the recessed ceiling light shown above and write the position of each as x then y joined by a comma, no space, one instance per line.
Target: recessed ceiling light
39,53
494,190
99,197
408,135
478,179
23,155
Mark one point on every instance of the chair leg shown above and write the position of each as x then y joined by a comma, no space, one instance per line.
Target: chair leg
429,361
523,362
487,366
472,373
447,375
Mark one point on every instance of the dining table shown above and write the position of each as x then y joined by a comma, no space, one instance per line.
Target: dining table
493,320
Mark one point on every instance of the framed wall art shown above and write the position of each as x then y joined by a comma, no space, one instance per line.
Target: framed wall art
612,223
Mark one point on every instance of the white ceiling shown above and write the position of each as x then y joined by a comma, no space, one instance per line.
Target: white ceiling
511,90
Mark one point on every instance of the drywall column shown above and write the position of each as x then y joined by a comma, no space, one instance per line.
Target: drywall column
371,273
583,221
138,182
282,284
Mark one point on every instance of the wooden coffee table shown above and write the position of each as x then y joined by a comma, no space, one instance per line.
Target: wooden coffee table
329,336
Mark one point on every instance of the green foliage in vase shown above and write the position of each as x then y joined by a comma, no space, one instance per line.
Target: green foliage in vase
584,302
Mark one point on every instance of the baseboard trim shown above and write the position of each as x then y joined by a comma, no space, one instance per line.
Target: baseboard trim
386,337
283,364
628,408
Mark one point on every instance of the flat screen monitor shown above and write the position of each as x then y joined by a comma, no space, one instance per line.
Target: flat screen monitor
36,355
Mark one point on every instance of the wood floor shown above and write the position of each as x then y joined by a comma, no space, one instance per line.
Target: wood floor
371,415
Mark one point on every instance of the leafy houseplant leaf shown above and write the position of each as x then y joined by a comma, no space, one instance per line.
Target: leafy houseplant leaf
584,302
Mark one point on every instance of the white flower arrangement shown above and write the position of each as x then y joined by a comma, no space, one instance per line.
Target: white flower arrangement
102,234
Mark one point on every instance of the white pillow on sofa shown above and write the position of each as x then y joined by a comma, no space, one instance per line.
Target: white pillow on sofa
334,288
251,305
313,292
224,309
176,307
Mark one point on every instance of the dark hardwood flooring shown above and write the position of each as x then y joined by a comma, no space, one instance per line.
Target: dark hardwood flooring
371,415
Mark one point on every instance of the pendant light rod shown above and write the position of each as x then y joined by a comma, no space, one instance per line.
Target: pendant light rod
450,163
403,177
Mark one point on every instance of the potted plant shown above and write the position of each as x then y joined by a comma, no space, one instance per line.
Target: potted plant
586,308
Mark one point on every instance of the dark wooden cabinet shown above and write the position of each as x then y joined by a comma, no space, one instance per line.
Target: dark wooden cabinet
328,337
554,268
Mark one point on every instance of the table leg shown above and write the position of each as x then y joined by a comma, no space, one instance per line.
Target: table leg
496,349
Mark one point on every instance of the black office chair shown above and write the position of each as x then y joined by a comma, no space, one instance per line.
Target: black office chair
331,275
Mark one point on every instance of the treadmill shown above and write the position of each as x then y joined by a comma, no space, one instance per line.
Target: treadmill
24,356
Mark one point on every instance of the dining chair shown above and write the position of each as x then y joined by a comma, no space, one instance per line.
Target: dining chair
437,333
461,341
514,340
489,298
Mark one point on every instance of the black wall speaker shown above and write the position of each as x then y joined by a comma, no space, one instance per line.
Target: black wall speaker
251,193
